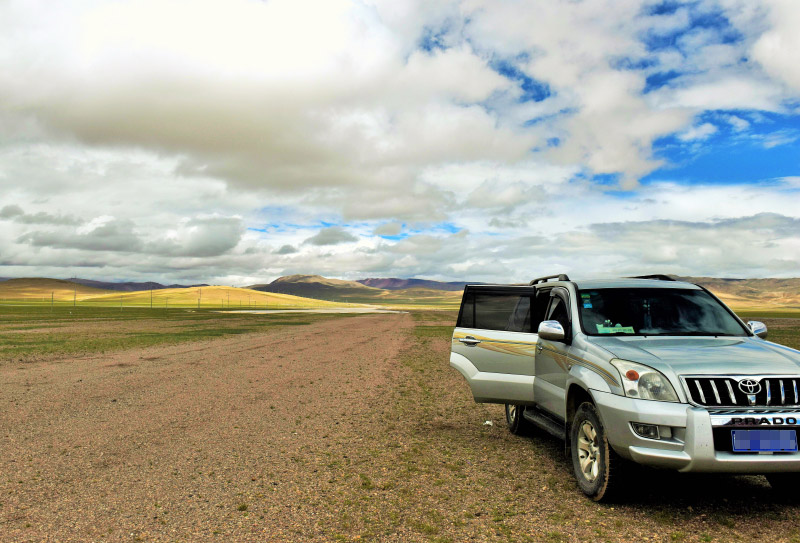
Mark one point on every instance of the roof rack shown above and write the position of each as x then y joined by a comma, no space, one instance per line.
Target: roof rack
558,277
656,276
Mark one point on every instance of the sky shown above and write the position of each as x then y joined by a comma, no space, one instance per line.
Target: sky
235,141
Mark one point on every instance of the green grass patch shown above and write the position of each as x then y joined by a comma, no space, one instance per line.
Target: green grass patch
29,332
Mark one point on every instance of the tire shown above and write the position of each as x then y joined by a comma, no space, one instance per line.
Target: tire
515,421
593,460
785,484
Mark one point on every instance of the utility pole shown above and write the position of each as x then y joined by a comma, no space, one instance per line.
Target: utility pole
229,300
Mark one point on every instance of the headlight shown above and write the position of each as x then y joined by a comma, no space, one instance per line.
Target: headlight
643,382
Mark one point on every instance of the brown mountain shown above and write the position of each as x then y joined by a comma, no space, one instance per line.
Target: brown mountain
755,293
324,288
393,283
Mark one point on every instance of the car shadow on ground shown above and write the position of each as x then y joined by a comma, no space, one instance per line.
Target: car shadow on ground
652,490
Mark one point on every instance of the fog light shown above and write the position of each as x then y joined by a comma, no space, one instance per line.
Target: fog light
649,431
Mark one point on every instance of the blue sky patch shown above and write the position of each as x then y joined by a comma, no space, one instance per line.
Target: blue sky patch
532,90
747,147
699,19
433,38
657,80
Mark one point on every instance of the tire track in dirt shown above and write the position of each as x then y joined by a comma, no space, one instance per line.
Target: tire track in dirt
233,437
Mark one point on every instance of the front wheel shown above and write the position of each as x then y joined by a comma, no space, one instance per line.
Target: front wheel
515,421
592,457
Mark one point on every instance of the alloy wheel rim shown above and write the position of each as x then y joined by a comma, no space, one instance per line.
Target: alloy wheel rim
588,451
511,413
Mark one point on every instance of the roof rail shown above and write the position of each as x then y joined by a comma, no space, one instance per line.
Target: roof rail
657,276
558,277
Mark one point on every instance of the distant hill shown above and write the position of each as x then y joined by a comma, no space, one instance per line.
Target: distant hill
391,283
209,296
40,287
324,288
128,286
755,293
316,286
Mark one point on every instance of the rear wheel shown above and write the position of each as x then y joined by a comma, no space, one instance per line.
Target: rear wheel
515,420
593,460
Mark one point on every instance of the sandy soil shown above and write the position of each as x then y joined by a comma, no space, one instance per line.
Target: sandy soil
226,438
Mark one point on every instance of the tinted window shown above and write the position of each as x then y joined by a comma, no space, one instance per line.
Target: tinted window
654,311
558,312
496,311
540,308
466,318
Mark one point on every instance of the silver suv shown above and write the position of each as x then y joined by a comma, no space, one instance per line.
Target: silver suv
649,370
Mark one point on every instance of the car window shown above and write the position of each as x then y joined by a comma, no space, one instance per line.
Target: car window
506,311
520,319
655,311
558,312
539,311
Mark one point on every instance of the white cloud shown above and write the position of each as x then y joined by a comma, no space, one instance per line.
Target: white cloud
701,132
203,140
776,49
333,235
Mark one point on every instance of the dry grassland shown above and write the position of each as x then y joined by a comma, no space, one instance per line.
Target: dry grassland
342,428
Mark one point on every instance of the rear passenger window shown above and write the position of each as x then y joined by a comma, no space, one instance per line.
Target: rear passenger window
496,311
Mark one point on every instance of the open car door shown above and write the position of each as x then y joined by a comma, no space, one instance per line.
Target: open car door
494,343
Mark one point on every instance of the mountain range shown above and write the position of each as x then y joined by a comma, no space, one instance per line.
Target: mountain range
738,293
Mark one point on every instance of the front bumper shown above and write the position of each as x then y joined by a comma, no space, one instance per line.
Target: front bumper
691,446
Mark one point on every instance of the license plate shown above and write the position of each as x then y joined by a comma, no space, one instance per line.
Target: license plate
764,440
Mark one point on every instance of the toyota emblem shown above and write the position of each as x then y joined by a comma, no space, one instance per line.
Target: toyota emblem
749,386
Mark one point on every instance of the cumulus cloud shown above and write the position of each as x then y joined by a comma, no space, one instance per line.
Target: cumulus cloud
101,234
286,250
11,211
702,132
15,213
201,237
333,235
139,142
776,48
388,229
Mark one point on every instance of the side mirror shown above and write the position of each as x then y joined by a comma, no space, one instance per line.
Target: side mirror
551,330
758,328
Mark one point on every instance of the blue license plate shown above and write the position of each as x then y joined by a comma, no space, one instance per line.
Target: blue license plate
764,440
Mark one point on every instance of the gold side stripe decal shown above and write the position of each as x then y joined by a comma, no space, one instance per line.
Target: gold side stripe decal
523,348
608,377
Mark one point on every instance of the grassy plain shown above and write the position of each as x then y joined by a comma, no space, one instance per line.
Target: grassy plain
29,332
47,292
421,464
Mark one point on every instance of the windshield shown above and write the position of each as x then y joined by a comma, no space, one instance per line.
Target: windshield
654,312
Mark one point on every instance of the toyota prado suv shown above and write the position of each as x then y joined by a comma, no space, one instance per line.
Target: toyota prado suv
650,370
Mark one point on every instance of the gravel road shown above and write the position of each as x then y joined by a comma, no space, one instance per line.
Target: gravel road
225,439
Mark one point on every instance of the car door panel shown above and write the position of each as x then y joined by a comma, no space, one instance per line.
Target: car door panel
498,364
552,360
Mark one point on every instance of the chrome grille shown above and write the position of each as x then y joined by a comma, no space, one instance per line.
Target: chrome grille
724,391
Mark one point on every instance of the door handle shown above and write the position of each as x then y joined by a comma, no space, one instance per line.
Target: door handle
469,341
539,348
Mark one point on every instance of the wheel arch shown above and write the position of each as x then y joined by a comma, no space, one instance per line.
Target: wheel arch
576,395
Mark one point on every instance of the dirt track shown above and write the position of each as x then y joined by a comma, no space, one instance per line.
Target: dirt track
226,438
